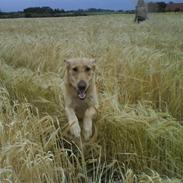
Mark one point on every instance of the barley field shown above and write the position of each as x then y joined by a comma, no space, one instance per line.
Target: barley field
139,127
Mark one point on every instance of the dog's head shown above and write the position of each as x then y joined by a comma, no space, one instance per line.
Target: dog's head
80,73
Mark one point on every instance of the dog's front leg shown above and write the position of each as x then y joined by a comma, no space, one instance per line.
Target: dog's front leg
87,123
73,122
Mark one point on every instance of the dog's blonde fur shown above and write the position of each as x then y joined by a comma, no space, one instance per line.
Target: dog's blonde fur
76,109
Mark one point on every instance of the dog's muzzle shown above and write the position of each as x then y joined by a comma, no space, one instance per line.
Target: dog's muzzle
82,86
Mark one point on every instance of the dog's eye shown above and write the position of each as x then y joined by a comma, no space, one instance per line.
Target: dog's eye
75,69
87,69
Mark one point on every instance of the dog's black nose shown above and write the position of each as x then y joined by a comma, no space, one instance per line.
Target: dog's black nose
82,85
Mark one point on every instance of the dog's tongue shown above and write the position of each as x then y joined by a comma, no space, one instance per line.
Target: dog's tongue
82,95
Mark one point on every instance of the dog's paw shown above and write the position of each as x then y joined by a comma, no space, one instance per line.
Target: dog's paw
87,133
75,130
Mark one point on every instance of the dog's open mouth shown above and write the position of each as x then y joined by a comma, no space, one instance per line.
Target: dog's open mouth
82,95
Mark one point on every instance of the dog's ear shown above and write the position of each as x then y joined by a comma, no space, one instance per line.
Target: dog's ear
67,63
93,63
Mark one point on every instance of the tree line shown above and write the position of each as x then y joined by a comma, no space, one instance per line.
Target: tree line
49,12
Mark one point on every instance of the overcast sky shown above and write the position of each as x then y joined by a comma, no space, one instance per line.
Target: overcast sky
15,5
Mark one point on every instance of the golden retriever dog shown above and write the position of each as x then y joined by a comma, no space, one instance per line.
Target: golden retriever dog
80,95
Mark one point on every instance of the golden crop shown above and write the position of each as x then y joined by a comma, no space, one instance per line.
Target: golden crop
140,84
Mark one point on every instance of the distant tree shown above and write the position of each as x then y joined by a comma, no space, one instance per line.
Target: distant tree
93,10
177,9
161,6
157,7
151,7
38,11
120,11
59,10
80,10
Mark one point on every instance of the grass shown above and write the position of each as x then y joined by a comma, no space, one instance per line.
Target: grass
139,132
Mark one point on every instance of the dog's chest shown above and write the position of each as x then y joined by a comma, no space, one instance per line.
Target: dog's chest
80,106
